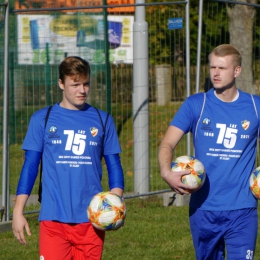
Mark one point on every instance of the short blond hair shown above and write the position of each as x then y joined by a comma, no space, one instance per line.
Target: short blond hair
228,50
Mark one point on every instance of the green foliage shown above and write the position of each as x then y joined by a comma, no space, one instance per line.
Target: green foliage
162,41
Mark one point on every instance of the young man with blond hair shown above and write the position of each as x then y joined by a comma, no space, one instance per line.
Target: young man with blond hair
224,123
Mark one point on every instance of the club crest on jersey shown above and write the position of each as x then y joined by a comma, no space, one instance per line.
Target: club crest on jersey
93,131
53,129
245,124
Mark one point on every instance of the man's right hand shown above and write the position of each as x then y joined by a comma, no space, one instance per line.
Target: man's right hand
20,223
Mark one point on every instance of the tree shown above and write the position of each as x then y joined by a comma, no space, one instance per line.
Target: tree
241,35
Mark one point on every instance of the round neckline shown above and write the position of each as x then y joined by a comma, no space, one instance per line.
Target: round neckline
234,99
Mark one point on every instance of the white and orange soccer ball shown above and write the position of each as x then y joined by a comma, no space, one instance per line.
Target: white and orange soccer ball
254,182
197,174
106,211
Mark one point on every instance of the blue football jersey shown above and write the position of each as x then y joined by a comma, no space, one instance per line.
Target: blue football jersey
225,141
72,151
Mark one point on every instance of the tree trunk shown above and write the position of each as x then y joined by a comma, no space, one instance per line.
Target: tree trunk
241,20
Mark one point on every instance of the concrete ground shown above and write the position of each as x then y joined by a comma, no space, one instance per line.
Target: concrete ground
33,199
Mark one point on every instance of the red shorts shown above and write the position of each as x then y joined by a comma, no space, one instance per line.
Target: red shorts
70,241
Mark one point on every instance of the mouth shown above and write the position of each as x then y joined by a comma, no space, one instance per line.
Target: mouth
216,80
81,97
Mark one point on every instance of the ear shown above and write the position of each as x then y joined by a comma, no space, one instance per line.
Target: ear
61,85
237,71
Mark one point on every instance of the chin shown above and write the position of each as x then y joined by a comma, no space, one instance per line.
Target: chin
80,106
220,88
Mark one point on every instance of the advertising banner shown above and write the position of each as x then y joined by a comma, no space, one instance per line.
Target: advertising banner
31,4
42,37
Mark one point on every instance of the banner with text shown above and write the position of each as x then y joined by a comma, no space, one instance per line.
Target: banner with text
43,38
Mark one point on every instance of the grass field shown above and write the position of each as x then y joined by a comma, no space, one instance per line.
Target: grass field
151,232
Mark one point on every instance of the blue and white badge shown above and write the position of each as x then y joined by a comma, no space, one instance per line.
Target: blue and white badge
175,23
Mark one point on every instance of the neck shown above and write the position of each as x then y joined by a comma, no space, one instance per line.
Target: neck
228,95
71,106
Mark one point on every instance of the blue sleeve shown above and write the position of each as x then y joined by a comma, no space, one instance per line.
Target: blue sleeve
188,114
29,172
111,142
257,103
115,171
34,138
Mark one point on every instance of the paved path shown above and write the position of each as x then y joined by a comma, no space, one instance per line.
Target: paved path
33,199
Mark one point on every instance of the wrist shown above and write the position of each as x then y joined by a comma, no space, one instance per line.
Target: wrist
165,172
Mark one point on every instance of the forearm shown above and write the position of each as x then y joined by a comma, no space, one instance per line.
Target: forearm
171,138
20,202
165,158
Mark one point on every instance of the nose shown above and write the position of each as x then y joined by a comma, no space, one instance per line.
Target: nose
216,72
82,89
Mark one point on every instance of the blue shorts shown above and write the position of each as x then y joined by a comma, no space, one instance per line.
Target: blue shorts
217,232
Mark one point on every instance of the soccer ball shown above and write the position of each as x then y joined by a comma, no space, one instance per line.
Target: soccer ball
197,174
106,211
254,182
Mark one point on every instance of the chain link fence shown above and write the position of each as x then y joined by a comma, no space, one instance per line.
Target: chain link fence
38,41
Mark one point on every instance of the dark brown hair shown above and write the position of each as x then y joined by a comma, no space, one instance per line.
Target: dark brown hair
74,66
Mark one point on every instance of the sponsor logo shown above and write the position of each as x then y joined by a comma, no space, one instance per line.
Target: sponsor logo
53,129
206,121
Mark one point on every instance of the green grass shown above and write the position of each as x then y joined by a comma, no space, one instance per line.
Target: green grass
151,232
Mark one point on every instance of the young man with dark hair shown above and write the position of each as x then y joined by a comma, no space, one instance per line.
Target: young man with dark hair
71,145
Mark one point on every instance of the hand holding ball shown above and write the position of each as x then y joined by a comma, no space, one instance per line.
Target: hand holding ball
197,174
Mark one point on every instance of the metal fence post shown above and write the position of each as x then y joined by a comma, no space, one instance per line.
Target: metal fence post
140,102
5,153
